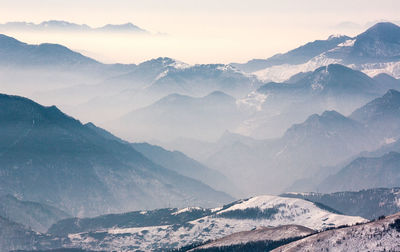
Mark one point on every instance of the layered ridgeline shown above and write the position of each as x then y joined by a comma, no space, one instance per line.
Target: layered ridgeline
380,235
374,51
173,228
49,157
327,139
377,168
370,203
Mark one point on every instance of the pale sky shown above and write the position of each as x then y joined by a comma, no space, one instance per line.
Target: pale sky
199,31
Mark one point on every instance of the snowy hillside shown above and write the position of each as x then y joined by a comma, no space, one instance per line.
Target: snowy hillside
245,215
381,235
259,234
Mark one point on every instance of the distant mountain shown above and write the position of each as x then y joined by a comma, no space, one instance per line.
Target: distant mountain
16,53
49,157
65,26
370,203
365,173
35,216
382,115
172,228
377,50
181,116
128,27
299,55
379,235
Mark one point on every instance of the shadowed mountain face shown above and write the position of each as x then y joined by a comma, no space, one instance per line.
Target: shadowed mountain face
48,157
381,41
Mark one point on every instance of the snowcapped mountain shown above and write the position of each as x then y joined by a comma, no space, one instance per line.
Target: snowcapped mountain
377,50
370,203
380,235
49,157
238,216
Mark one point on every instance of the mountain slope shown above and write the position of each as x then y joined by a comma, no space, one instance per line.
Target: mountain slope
14,236
260,234
80,164
380,235
38,217
184,165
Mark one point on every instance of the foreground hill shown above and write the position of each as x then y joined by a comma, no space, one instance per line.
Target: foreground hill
49,157
176,228
380,235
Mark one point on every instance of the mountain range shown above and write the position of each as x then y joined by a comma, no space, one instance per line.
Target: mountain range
65,26
322,140
377,50
173,228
